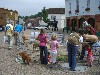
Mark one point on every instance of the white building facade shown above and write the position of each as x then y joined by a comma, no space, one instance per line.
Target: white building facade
58,14
78,11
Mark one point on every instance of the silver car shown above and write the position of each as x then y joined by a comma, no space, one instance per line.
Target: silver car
41,27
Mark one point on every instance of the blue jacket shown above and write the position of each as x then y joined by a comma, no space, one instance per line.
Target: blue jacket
18,28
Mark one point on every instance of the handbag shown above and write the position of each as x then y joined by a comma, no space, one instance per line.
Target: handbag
5,39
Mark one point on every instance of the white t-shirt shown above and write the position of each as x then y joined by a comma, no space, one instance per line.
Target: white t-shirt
81,39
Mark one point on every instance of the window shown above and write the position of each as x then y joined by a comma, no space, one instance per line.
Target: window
1,17
53,17
69,8
99,4
77,6
88,3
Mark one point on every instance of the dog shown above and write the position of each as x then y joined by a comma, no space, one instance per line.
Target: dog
25,57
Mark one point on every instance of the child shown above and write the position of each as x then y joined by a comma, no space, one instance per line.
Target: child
89,55
53,47
42,37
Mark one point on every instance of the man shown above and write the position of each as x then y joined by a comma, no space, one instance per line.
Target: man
9,34
17,30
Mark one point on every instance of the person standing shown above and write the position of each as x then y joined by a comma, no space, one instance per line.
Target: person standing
17,31
42,37
53,46
9,33
72,47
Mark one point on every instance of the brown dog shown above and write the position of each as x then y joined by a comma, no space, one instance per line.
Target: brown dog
25,57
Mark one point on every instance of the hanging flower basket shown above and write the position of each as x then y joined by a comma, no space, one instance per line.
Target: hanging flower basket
77,11
87,9
70,12
99,7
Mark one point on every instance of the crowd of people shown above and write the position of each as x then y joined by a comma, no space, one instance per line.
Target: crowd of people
73,42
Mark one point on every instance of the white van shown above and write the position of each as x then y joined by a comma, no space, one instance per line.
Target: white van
41,27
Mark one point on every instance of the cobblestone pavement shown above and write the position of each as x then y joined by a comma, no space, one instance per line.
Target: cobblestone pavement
8,65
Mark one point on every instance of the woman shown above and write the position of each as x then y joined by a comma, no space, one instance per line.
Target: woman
42,37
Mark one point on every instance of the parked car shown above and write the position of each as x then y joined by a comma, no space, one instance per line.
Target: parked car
41,27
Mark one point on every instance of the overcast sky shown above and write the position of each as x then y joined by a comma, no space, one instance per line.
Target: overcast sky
31,7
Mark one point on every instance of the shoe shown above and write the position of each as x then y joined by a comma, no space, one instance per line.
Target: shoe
51,66
73,70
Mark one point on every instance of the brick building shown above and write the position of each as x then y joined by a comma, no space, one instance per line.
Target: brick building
7,16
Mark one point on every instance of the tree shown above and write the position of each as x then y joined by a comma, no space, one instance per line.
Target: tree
44,15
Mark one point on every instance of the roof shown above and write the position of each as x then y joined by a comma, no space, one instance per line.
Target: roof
56,11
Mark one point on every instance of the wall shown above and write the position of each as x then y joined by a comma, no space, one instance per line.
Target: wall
94,11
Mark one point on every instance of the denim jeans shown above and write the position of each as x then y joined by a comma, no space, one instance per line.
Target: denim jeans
72,51
43,54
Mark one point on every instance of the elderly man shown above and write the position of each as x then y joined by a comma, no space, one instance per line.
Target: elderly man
9,34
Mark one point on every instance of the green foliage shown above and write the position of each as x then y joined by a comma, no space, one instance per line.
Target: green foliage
44,15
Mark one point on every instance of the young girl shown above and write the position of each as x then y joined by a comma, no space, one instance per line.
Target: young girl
89,55
53,47
42,37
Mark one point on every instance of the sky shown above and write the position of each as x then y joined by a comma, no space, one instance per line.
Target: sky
31,7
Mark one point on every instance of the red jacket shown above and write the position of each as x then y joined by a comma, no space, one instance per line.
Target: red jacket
89,51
